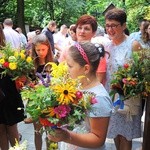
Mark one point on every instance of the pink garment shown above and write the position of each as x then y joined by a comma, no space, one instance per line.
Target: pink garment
102,66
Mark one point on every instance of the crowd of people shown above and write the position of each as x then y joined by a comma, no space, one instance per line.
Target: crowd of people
90,51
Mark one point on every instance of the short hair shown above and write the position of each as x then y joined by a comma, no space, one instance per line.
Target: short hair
19,30
8,22
63,27
92,51
117,15
87,19
52,23
31,35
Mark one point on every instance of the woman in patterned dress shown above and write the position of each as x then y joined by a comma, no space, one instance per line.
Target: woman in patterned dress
120,49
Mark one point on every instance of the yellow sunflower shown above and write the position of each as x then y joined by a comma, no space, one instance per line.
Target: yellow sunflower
66,93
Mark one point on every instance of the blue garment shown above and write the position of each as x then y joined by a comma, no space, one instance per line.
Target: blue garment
103,108
136,35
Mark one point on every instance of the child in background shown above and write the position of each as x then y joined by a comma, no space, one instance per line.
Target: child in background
42,54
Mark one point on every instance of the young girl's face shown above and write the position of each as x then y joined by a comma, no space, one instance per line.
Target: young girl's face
74,68
41,50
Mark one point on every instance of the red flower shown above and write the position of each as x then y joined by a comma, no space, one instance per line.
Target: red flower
45,122
126,66
93,100
6,64
31,85
133,82
79,95
125,81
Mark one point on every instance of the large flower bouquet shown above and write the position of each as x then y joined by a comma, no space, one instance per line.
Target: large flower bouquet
130,82
15,63
57,101
133,77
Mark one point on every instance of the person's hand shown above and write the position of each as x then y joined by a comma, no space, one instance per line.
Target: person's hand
59,135
20,82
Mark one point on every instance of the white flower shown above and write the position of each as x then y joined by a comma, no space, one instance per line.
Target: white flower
22,146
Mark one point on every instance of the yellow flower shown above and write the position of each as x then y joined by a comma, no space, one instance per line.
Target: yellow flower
66,93
22,55
12,66
29,59
58,70
16,54
49,111
22,51
2,61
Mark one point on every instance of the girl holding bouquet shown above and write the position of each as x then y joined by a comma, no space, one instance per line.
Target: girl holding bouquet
42,54
82,60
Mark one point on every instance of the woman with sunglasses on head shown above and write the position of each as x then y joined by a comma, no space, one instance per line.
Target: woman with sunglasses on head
121,129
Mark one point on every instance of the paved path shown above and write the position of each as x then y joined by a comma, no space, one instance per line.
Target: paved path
28,134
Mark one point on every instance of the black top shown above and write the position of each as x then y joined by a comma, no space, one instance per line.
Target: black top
9,114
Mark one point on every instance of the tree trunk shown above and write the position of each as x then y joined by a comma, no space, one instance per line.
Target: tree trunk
146,135
20,15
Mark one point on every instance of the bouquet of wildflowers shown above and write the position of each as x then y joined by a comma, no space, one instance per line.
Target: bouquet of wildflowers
133,78
15,63
57,101
22,146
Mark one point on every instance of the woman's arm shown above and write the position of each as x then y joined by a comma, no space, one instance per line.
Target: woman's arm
136,46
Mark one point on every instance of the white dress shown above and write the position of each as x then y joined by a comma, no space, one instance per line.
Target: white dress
119,124
102,108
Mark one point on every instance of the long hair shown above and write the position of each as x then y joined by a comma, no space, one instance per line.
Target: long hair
42,39
145,35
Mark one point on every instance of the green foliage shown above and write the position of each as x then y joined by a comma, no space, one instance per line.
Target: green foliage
39,99
38,13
